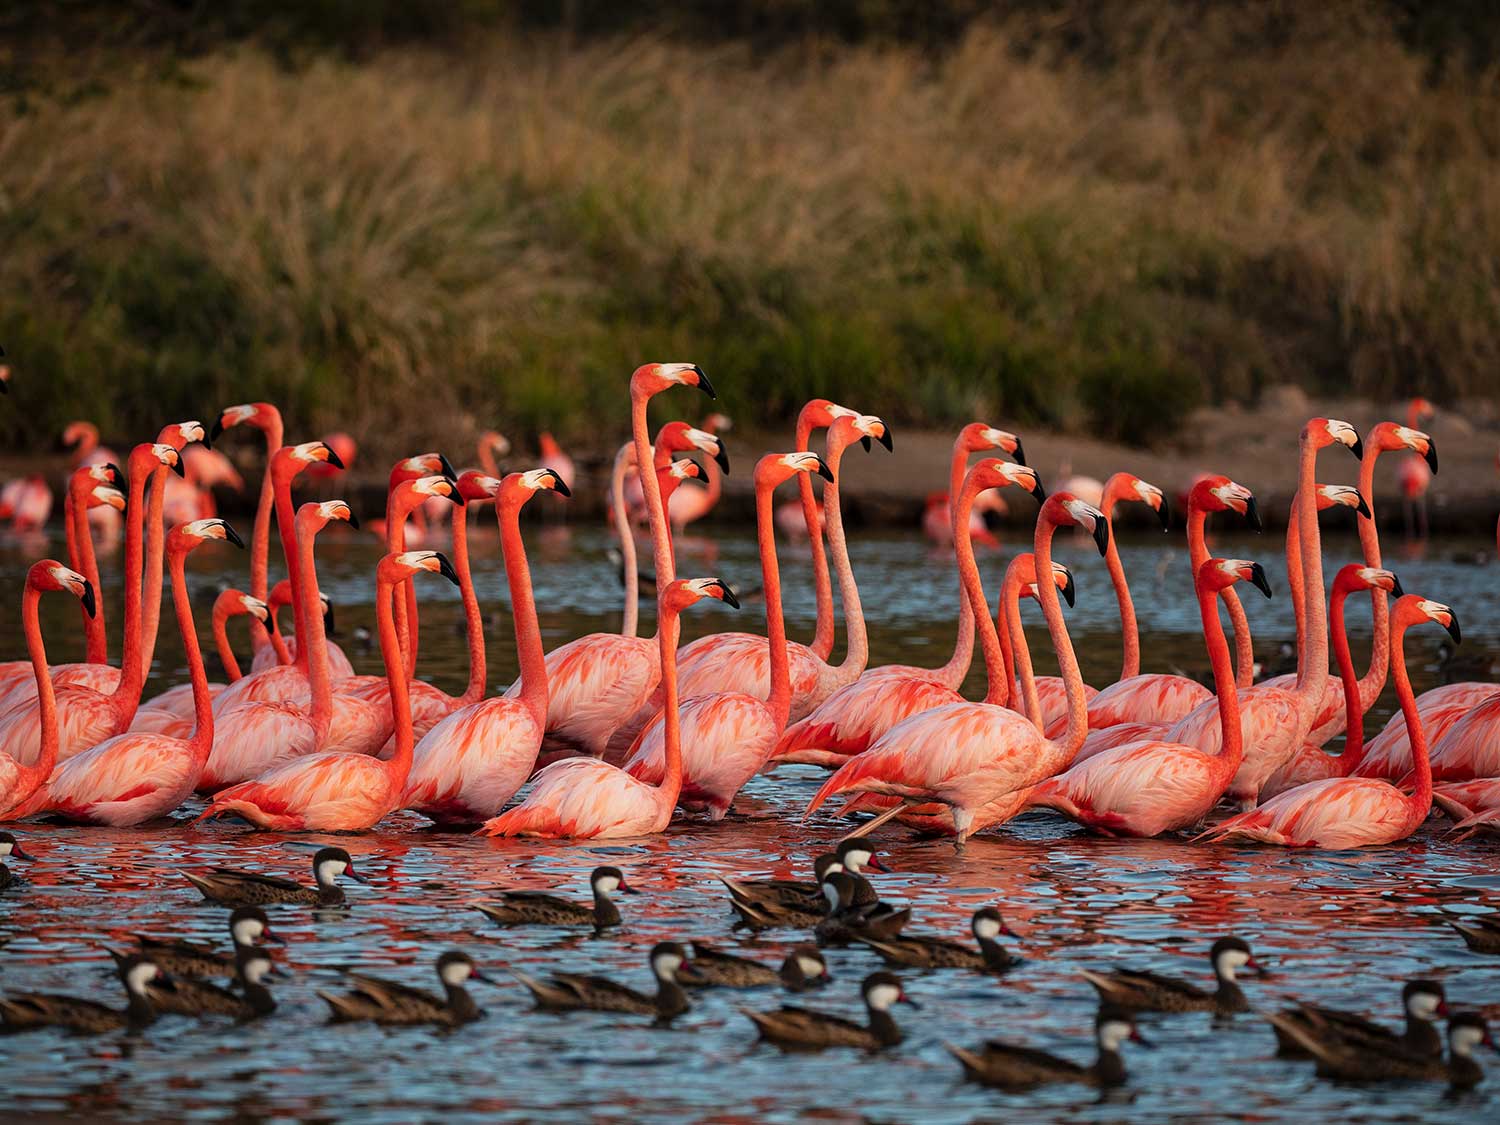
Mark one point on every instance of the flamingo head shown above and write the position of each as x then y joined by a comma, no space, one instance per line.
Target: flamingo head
315,516
401,565
517,488
80,434
991,472
1063,509
979,436
1322,432
1420,409
683,592
290,460
652,378
679,437
5,379
475,486
1344,495
683,468
185,536
1388,436
103,496
819,414
50,575
495,441
863,428
256,413
1151,496
1219,574
1412,610
107,473
1220,494
774,468
237,602
147,456
412,492
181,434
1357,577
422,465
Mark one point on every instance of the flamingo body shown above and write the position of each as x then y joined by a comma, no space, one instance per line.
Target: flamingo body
1336,813
595,684
473,761
1150,698
1270,725
853,718
1139,789
121,782
327,792
1470,747
1389,752
84,718
726,738
585,799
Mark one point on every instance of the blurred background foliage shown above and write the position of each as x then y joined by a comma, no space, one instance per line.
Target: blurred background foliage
401,216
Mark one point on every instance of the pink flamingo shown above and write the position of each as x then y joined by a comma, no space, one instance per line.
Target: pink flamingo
337,792
1147,788
667,480
266,418
689,505
584,798
258,735
82,438
1415,473
728,735
1354,812
598,681
27,503
475,759
1470,747
969,755
17,780
816,414
671,439
492,446
857,715
89,715
282,645
937,518
347,449
166,715
555,459
136,777
1462,800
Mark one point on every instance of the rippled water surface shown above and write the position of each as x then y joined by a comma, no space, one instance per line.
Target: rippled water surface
1343,928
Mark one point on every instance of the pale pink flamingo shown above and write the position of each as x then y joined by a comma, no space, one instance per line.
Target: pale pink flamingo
673,438
688,505
334,792
1415,473
599,681
1354,812
89,715
816,414
18,781
90,487
969,755
667,481
1147,788
27,503
492,446
135,777
1470,747
1464,799
172,712
282,644
554,458
1276,721
82,439
726,736
584,798
937,517
266,418
474,760
855,716
402,506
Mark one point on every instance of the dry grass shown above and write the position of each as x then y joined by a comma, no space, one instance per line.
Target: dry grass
497,236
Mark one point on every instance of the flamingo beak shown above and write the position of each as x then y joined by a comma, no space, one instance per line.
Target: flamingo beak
1357,448
179,468
727,595
445,568
1039,491
1258,577
233,536
333,458
865,441
557,483
887,441
1364,509
703,384
721,457
116,478
1069,591
353,520
1101,536
1164,513
1431,456
328,619
824,471
1452,627
87,597
1396,589
1252,515
446,468
216,429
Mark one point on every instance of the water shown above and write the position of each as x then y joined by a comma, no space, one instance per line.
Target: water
1345,929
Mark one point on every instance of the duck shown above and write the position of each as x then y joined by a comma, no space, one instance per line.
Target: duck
248,928
1138,991
808,1030
1481,932
386,1002
185,996
572,992
854,854
229,886
535,908
938,953
10,846
1422,1000
804,968
844,922
792,892
1014,1067
1352,1062
25,1011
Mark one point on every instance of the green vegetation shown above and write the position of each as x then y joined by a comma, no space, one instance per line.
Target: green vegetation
463,220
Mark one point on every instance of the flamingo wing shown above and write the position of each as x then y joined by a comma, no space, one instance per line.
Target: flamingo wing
1340,812
472,762
123,781
1139,789
253,738
594,685
725,739
329,792
854,717
584,798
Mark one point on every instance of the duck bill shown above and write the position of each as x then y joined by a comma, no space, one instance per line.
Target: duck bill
878,864
21,853
356,876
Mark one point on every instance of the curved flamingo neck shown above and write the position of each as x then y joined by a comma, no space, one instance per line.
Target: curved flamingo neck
533,657
473,618
46,699
630,621
1046,592
1372,683
1354,705
857,649
780,698
1312,670
283,470
1421,798
822,642
1130,637
1244,646
666,567
268,421
201,741
399,766
670,787
130,655
956,669
312,645
82,559
1231,749
221,642
997,691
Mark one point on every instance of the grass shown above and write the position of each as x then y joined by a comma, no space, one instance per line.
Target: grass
422,243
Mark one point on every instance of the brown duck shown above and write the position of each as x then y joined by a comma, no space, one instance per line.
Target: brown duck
383,1001
1138,991
185,996
1481,932
804,1029
534,908
248,927
852,856
9,846
571,992
1015,1068
804,968
25,1011
1422,1000
229,886
938,953
1349,1062
843,922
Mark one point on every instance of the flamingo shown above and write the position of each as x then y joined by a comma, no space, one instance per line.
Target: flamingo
1147,788
475,759
1354,812
135,777
554,458
166,714
257,735
969,755
689,505
339,665
1415,473
82,438
816,414
598,681
27,503
857,715
937,518
584,798
671,439
339,792
88,715
492,446
728,735
266,418
17,780
667,481
91,487
400,505
347,449
1470,747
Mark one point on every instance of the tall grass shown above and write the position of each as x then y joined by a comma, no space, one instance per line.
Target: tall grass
422,243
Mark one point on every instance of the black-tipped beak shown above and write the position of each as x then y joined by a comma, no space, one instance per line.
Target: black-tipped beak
726,594
179,468
1431,456
865,441
721,458
703,384
887,441
447,469
1358,449
878,864
455,495
353,520
905,999
1258,577
21,853
1452,628
206,441
1039,492
1363,509
87,597
445,568
1101,535
116,477
1252,515
333,458
355,875
1164,514
1396,590
1069,591
1020,453
823,470
216,429
557,483
233,536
